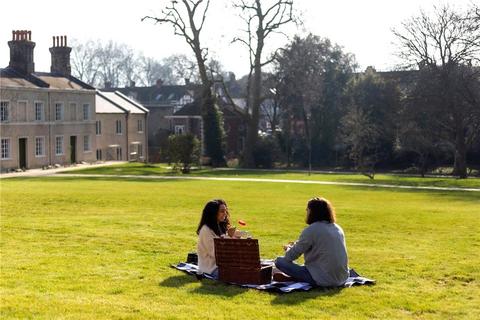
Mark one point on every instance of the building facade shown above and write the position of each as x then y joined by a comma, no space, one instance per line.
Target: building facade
121,128
46,118
189,120
161,101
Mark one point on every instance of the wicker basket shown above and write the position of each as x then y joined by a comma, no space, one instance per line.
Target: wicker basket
238,261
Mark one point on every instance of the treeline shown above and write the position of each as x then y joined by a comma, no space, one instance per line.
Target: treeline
321,110
117,64
422,116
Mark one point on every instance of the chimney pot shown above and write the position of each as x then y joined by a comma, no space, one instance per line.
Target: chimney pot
21,51
60,56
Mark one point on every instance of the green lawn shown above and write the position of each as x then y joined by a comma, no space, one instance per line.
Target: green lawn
151,170
86,248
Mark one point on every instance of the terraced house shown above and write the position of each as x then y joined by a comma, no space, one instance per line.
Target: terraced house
121,128
47,118
50,118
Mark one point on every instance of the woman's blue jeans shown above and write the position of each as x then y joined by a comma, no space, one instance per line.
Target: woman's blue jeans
297,272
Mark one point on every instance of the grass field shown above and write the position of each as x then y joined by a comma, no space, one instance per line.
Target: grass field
87,248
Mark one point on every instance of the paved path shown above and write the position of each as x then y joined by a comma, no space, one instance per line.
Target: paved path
48,172
356,184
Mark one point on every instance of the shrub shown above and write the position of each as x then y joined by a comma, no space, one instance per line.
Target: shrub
183,151
266,152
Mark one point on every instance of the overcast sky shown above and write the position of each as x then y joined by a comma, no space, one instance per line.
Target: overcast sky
361,27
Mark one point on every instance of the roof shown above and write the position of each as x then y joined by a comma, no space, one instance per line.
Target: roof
124,102
103,105
131,101
190,109
194,109
10,77
157,95
115,102
58,81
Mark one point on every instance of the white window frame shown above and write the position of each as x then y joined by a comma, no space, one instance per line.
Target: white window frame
119,153
42,110
5,110
86,111
139,150
179,129
61,113
5,153
98,127
140,125
62,148
87,144
118,127
99,154
42,149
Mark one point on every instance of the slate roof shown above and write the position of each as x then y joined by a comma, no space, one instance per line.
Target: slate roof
11,78
194,109
190,109
158,95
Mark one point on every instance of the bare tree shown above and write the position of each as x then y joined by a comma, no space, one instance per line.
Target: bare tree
261,22
151,70
98,64
447,46
84,65
187,20
183,67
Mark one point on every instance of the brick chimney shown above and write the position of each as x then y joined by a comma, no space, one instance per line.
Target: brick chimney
21,51
60,56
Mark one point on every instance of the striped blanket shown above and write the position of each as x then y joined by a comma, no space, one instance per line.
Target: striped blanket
354,280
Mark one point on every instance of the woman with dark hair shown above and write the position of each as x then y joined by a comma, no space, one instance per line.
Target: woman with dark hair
322,243
213,224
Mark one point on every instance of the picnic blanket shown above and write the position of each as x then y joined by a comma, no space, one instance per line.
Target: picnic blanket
353,280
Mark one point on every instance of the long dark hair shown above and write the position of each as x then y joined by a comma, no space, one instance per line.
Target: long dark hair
320,210
209,217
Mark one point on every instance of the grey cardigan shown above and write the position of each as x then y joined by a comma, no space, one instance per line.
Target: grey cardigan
325,253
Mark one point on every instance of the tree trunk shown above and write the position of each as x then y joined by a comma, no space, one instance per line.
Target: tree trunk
254,101
460,165
213,133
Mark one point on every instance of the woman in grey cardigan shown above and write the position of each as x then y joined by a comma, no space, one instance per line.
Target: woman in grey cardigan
322,243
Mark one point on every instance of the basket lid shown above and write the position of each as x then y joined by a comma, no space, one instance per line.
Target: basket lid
240,253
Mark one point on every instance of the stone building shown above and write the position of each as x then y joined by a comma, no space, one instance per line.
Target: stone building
46,118
121,128
189,120
161,101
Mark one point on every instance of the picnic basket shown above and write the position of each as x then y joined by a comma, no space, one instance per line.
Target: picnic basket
238,261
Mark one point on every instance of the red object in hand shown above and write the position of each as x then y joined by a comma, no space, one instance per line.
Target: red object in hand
242,223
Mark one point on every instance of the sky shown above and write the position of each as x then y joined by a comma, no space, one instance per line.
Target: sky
360,27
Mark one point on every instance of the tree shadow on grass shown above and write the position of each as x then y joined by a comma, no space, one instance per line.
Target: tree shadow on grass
301,296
